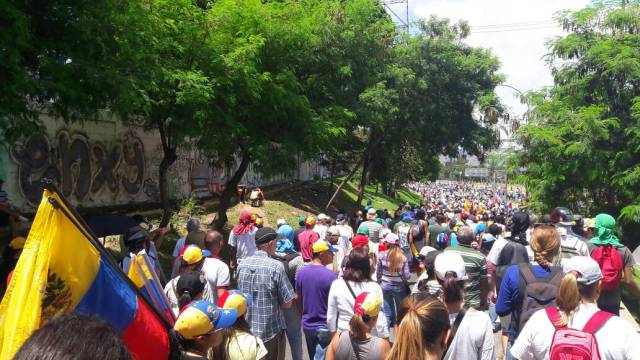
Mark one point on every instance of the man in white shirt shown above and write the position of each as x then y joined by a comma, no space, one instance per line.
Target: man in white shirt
216,272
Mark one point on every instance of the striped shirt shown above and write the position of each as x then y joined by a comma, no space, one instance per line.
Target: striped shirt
476,266
391,280
374,230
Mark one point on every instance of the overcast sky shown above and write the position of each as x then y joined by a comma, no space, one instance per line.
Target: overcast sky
520,52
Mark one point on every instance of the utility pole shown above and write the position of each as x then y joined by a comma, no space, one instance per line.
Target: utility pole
390,5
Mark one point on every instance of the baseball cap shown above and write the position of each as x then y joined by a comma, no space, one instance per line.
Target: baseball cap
367,304
191,254
191,281
301,219
391,238
322,246
426,250
359,241
236,299
193,225
134,234
310,220
264,235
450,261
323,216
17,243
585,268
480,228
363,230
371,211
259,221
280,222
340,217
201,317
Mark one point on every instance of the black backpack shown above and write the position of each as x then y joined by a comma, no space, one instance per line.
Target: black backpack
537,293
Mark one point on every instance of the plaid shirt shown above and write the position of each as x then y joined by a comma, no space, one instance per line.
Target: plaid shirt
265,279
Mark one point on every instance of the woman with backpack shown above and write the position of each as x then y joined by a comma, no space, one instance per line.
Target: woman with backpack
358,343
472,333
392,273
527,288
594,334
616,263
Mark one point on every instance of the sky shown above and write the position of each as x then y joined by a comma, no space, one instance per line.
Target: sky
520,52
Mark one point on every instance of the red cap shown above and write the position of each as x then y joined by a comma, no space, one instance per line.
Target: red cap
359,241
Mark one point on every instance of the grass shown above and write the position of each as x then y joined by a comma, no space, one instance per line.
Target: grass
289,202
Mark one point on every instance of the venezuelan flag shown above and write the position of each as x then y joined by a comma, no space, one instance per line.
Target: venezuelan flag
62,270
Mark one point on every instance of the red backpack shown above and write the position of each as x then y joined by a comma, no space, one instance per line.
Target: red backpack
572,343
611,265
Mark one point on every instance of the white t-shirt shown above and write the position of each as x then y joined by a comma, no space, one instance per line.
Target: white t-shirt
346,234
216,273
170,292
474,338
321,229
496,249
245,244
617,339
340,306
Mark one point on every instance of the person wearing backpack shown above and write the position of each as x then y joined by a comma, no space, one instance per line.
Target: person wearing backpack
616,263
471,336
527,288
419,230
576,329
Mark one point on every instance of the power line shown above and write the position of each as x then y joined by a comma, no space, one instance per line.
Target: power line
518,24
513,29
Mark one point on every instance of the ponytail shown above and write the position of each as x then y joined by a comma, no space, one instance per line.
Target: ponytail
452,288
396,258
359,327
571,293
184,299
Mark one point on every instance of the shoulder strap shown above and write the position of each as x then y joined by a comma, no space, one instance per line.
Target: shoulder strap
350,289
556,275
456,325
356,349
597,320
527,273
554,316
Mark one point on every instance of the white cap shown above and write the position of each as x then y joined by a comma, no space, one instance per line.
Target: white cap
323,216
587,270
384,232
426,249
450,261
391,238
281,222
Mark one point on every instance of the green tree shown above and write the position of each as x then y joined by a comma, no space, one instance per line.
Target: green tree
581,144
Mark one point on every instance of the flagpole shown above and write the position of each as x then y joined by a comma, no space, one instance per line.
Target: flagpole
82,226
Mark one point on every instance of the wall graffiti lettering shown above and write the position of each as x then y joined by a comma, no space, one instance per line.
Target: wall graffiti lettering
81,168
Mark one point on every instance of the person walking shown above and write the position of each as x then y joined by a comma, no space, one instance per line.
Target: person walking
313,283
423,329
242,238
374,228
343,292
616,262
472,333
358,342
476,288
576,309
307,238
527,288
392,273
265,279
215,271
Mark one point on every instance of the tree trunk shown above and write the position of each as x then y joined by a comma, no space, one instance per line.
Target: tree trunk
228,192
346,180
332,171
363,178
170,156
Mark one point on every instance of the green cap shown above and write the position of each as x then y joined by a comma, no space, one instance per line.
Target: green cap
363,230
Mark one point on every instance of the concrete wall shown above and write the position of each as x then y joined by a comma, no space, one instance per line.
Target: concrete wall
107,162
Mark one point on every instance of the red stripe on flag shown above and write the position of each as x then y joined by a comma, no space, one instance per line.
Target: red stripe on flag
146,337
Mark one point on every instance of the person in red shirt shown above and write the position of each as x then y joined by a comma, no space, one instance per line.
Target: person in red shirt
307,238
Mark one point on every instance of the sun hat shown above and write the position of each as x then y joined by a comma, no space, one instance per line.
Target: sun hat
190,255
585,268
322,246
450,261
201,317
367,304
236,299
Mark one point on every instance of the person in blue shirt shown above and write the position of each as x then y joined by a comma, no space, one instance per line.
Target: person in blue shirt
545,243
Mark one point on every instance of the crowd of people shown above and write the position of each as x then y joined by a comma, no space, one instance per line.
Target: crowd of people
434,280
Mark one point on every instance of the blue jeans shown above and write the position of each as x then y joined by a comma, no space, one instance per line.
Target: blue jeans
294,331
317,342
392,300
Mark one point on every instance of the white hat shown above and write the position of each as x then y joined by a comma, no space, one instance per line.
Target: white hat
391,238
323,216
450,261
371,211
587,270
281,222
426,249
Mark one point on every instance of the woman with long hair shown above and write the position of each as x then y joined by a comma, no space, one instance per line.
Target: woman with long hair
472,333
423,329
358,342
238,343
343,292
392,273
545,273
576,306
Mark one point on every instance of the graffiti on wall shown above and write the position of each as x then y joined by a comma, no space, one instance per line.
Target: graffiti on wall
80,167
194,171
